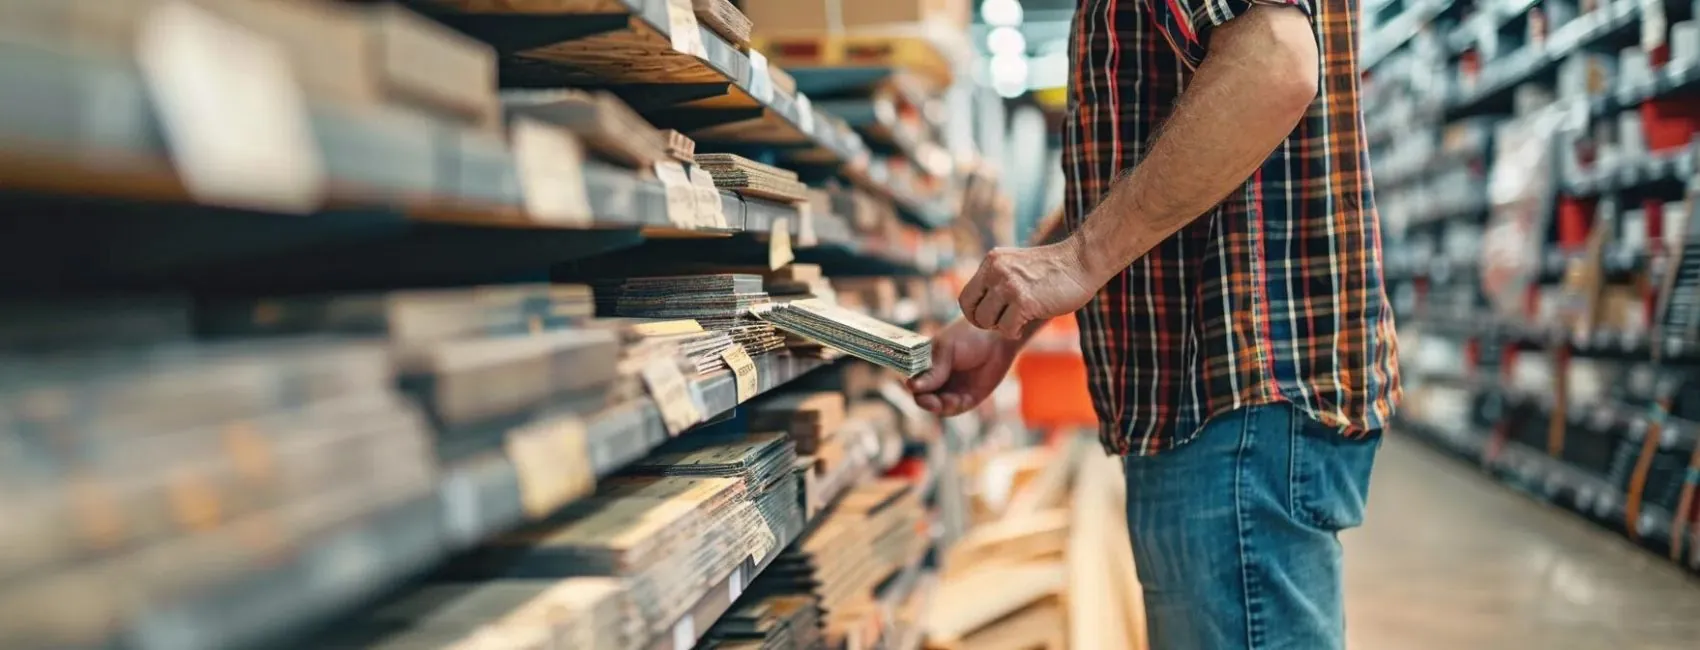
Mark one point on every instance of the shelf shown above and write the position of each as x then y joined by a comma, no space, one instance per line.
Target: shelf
1545,478
436,204
627,46
475,499
1400,31
1673,169
690,628
1605,344
1499,78
1668,81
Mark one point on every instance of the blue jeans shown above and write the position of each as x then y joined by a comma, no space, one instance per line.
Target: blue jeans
1234,533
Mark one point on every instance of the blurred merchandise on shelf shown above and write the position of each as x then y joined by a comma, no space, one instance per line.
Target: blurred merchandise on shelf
1536,167
452,323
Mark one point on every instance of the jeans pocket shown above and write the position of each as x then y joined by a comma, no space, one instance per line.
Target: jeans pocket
1330,476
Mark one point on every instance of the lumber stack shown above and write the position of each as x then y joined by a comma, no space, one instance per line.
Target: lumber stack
1051,567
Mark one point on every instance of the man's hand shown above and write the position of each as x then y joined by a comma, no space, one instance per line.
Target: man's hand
967,365
1019,286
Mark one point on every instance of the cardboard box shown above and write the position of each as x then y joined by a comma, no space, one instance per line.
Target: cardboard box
792,16
420,63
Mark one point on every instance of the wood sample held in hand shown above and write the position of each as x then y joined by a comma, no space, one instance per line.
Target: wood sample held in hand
854,333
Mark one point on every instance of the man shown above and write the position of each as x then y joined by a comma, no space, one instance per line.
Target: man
1225,262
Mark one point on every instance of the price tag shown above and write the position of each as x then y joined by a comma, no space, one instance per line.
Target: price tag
805,114
553,463
460,507
672,395
806,225
681,197
551,172
761,81
710,212
779,244
682,28
744,368
685,633
1653,25
735,584
668,327
233,114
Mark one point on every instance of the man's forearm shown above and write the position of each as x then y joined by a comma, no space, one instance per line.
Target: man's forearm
1255,84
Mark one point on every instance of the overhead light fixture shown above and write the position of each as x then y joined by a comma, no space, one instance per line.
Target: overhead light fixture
1009,74
1006,40
1001,13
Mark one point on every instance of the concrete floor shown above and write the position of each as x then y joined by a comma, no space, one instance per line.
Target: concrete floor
1450,560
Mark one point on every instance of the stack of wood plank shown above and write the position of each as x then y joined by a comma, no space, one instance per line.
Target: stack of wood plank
172,469
876,530
1052,568
750,178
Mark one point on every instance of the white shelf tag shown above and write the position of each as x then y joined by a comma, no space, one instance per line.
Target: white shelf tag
234,117
805,114
681,196
682,29
551,173
761,81
685,633
735,584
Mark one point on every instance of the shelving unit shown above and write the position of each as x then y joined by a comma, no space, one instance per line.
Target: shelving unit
102,202
1576,374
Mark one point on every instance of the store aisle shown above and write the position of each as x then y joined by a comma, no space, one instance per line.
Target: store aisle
1450,560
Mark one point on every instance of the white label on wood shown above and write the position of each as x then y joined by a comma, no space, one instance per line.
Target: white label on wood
672,394
553,463
761,81
682,28
779,244
234,117
735,584
681,197
710,212
551,173
744,369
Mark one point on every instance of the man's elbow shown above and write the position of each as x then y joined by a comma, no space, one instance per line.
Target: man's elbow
1294,60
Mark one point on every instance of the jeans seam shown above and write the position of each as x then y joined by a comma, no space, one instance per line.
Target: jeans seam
1302,509
1248,584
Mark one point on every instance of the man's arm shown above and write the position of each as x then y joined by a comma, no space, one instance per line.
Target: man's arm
1257,80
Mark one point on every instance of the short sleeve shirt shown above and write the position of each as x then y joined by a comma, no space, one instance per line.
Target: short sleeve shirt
1273,296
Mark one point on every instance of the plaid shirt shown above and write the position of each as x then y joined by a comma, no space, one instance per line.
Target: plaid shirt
1273,296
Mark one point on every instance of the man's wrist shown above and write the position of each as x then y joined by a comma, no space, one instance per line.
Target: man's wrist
1094,257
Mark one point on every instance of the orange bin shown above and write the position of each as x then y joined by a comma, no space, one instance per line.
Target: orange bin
1053,379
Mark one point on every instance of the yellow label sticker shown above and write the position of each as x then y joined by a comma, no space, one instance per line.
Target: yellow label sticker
672,394
710,211
744,369
779,244
552,459
668,327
